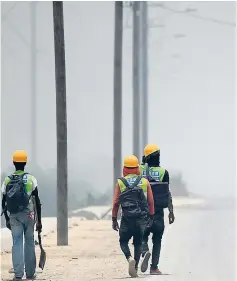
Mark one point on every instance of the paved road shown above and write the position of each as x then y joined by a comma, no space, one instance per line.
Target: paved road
199,246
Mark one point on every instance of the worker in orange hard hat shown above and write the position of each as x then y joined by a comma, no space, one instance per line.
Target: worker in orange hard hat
158,178
20,199
133,193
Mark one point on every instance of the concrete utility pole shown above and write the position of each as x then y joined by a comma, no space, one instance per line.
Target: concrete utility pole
136,78
144,72
61,115
118,63
33,82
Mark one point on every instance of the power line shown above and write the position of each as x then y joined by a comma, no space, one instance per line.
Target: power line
3,18
13,28
187,13
16,31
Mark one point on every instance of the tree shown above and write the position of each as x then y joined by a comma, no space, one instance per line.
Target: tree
178,186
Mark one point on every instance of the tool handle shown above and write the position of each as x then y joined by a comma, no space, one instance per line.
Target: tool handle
39,239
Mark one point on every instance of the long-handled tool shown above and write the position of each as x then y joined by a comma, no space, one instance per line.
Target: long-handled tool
42,259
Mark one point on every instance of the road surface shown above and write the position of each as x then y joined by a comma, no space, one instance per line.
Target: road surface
199,246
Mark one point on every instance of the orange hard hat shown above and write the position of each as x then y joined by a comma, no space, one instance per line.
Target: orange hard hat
131,161
19,156
150,148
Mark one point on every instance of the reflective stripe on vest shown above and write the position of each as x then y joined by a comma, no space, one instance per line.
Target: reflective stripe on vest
157,173
131,179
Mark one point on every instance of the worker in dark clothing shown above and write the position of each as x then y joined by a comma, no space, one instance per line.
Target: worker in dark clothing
159,181
19,192
133,193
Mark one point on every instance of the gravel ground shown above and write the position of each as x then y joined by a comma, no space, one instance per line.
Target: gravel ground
200,245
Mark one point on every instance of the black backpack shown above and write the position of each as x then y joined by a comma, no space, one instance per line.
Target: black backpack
16,196
160,190
133,201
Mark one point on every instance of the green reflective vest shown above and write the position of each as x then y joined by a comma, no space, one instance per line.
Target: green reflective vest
157,173
28,181
131,179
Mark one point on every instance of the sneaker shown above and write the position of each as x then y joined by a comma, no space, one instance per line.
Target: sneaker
131,267
155,272
31,278
136,271
17,278
11,270
145,261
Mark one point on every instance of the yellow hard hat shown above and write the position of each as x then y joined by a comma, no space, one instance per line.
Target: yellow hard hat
150,148
19,156
131,161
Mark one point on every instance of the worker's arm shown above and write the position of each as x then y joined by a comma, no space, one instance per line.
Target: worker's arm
150,200
167,179
35,193
4,201
4,207
115,207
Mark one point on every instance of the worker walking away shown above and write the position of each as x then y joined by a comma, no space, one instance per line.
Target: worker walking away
18,190
159,181
133,193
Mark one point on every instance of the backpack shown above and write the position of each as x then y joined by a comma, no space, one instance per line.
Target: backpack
160,190
132,200
16,196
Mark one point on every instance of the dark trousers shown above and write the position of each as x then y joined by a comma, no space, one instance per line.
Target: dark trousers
132,228
157,230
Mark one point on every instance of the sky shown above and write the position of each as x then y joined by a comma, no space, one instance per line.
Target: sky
191,90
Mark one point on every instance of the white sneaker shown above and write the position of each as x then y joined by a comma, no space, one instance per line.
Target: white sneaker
131,267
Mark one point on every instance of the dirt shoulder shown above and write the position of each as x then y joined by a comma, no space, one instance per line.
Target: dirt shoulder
93,254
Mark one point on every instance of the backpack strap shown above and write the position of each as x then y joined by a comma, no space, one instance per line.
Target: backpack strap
125,182
137,181
24,174
12,175
147,169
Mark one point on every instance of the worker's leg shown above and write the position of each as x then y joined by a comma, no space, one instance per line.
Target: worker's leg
30,258
145,250
17,230
157,230
125,235
145,247
138,239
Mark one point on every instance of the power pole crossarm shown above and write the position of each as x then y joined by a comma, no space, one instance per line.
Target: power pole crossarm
61,119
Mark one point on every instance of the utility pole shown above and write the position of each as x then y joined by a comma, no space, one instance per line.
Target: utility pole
144,72
33,82
136,77
118,63
61,119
